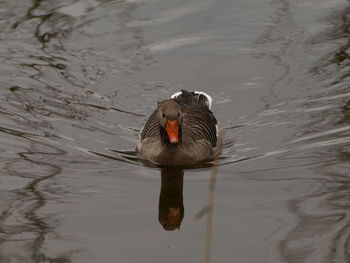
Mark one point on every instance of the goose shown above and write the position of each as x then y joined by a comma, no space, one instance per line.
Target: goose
181,131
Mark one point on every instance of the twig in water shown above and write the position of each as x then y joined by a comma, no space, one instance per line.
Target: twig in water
209,232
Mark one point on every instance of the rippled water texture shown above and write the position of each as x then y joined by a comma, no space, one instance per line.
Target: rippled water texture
78,80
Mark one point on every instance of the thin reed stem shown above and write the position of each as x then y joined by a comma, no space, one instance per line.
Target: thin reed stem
209,231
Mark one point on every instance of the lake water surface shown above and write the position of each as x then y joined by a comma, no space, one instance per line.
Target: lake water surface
78,80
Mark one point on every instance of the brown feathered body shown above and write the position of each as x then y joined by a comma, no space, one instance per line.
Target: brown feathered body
199,136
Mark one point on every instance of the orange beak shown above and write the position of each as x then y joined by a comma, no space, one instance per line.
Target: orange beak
172,128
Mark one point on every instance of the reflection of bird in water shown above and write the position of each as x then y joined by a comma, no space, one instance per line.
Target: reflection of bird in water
182,131
171,207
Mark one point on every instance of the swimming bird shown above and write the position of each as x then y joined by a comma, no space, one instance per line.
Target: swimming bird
182,131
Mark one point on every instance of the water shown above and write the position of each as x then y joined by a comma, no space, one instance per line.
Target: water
78,80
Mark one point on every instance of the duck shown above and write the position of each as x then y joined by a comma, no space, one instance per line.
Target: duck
181,131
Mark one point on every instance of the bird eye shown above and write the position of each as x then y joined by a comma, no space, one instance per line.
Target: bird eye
178,115
163,115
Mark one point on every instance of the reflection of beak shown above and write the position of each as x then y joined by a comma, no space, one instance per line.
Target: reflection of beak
173,215
172,128
173,219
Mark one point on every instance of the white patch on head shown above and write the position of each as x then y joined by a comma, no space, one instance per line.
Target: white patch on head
209,102
175,95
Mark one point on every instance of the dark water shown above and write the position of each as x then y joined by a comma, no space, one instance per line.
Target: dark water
78,79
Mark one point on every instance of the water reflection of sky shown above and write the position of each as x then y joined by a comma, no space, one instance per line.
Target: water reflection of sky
323,219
